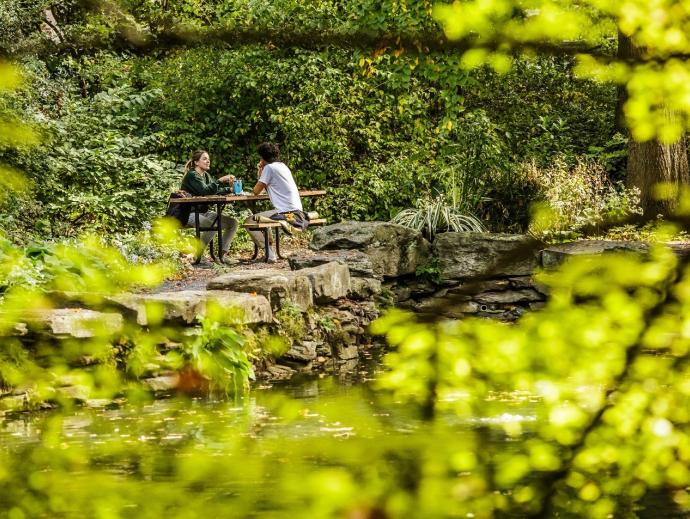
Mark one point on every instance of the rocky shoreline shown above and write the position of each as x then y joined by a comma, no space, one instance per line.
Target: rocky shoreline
323,305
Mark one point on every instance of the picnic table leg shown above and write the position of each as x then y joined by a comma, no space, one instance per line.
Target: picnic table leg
219,208
210,250
278,243
198,233
266,242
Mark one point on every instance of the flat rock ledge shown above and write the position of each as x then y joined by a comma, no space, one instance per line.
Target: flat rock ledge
357,262
322,284
78,323
189,305
555,255
464,255
460,274
276,286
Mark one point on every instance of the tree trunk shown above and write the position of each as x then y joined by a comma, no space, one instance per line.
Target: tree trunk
652,162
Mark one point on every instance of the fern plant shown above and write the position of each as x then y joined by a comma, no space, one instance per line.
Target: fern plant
432,216
217,355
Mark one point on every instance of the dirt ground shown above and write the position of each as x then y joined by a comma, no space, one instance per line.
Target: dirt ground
195,277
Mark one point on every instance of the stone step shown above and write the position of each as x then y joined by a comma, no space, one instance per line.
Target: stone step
188,305
302,288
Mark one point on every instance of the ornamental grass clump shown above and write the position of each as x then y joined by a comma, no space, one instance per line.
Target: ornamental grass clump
434,215
575,199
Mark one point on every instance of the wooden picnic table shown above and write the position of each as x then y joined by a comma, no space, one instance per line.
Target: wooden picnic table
220,202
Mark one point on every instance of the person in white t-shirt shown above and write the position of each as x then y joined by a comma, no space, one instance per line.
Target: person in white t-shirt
276,178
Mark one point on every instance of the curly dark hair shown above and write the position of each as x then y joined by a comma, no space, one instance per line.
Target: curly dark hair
269,151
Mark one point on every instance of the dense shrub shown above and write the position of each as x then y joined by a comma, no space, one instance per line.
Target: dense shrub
380,133
380,129
578,197
92,170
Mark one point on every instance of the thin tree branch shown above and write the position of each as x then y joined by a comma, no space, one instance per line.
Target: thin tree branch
51,22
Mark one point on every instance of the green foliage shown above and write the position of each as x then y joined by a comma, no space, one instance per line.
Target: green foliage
12,133
311,103
378,133
505,26
612,155
473,165
91,171
326,324
578,409
429,271
602,369
604,360
216,353
578,197
105,176
291,322
379,129
86,265
648,232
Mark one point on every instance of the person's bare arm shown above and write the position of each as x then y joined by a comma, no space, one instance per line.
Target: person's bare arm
259,187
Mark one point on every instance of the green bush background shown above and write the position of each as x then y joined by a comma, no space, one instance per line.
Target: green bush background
378,128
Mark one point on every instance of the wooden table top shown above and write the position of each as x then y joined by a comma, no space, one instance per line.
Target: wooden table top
239,198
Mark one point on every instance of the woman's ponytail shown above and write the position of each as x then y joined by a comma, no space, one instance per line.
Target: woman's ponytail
191,163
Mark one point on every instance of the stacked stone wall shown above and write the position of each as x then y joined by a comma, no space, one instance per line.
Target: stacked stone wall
323,305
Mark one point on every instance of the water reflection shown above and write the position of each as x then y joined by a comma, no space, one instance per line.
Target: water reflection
315,447
264,411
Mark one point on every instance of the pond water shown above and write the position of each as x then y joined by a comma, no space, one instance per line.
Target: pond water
312,447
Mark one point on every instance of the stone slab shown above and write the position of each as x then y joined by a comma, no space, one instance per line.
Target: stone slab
323,283
188,305
525,295
359,263
329,282
555,255
78,323
463,255
278,286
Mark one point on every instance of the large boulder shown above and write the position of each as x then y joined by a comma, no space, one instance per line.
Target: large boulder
463,255
188,305
364,288
278,286
364,282
329,282
393,250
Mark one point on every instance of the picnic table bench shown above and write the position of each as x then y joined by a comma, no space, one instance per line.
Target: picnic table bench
265,224
220,201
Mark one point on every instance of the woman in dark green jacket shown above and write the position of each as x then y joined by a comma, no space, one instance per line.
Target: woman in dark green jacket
199,182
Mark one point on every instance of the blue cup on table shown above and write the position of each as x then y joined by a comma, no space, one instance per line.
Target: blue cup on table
237,187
